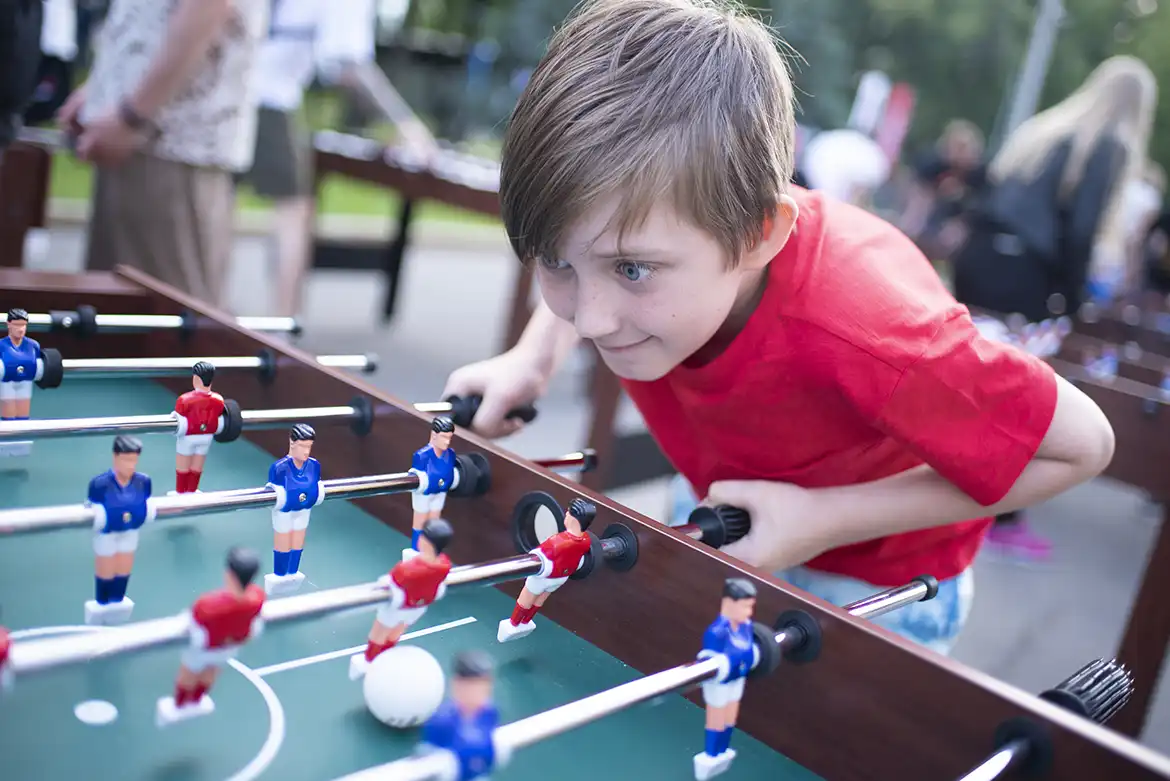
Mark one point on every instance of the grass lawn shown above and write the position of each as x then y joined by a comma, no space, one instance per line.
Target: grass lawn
72,179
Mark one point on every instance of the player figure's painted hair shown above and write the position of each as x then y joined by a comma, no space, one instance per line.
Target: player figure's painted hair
127,444
584,511
443,425
439,533
244,564
17,314
739,588
205,371
687,102
472,664
302,431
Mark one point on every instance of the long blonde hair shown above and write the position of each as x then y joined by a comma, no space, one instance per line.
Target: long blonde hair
1117,99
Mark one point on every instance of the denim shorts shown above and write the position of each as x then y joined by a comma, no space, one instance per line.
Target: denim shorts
934,624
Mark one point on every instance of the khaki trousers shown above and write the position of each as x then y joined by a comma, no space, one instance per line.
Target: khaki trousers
171,220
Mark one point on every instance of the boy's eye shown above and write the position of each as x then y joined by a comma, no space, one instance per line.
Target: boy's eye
635,272
554,264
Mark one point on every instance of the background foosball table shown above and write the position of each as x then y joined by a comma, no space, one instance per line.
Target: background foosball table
848,702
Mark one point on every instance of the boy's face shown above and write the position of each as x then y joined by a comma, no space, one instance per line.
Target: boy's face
300,449
652,307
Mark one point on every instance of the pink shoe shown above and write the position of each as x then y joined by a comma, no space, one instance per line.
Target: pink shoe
1017,540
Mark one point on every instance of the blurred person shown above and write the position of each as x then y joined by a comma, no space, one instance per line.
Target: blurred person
21,24
845,164
58,53
167,116
945,178
307,37
1143,202
1049,230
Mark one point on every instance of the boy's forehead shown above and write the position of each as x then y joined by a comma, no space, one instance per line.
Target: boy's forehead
605,230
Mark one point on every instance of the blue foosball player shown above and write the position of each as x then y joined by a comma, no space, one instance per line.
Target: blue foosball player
21,364
122,503
463,727
730,639
296,478
435,465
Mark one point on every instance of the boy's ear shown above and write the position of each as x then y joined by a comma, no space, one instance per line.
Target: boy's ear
777,229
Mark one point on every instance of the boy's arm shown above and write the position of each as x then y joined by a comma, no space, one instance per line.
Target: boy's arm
1077,446
194,26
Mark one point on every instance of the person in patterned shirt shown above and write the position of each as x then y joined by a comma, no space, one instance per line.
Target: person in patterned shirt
168,116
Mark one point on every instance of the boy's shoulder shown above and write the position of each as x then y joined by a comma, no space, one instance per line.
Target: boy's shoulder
852,277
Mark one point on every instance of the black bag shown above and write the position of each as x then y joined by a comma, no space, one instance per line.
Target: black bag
20,60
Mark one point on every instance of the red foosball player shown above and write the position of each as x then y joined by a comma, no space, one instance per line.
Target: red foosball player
561,555
199,413
414,585
5,668
221,621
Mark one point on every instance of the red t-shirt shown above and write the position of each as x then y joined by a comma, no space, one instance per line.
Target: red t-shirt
856,365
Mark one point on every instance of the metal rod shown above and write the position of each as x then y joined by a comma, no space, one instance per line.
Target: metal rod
42,519
177,367
254,420
1003,760
49,653
541,726
33,520
580,460
41,322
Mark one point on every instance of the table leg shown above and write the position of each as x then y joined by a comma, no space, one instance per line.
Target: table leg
605,393
1147,634
24,190
395,252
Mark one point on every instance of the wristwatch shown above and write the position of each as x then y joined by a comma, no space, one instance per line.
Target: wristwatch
136,122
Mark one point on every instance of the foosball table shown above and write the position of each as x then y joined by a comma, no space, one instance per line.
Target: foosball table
498,620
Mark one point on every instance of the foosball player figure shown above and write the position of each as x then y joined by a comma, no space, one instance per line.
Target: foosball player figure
414,584
464,725
434,464
560,555
122,503
296,478
5,667
220,622
199,413
731,639
19,367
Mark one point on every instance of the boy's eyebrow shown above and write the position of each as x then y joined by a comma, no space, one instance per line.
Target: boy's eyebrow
629,253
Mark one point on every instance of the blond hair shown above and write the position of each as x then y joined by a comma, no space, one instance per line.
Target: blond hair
1117,99
684,101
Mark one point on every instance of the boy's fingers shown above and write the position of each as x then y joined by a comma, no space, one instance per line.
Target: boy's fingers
736,493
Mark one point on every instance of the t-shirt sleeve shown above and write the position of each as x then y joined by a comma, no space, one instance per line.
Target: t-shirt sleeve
974,409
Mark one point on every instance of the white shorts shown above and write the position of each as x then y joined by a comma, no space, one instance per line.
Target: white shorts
427,503
539,584
199,659
15,391
719,694
194,444
293,521
390,616
113,543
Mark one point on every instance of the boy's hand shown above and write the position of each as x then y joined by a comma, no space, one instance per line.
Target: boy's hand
505,382
784,522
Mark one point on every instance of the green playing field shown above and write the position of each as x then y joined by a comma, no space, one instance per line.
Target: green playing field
287,709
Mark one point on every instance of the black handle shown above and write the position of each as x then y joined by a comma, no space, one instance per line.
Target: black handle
464,408
721,525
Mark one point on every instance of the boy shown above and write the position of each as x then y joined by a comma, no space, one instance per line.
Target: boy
792,355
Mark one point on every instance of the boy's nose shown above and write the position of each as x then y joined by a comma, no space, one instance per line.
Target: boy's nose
595,317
